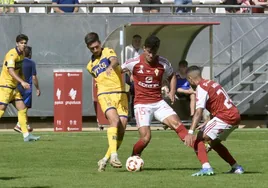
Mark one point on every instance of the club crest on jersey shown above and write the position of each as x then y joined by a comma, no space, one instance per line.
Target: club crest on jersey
156,71
141,69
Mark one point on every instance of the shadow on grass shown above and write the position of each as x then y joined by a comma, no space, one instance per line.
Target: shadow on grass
9,178
246,172
34,187
163,169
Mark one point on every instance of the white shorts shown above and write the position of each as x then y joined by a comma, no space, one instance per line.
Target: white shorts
216,128
144,112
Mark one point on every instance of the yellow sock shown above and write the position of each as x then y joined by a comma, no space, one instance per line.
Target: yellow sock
22,118
112,139
108,153
1,113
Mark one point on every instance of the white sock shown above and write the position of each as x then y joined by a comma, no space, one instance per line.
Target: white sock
18,124
105,159
206,165
235,165
25,135
113,155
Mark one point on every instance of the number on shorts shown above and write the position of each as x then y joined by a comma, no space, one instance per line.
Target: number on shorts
142,110
227,101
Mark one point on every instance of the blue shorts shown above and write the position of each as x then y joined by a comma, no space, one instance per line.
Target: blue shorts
27,96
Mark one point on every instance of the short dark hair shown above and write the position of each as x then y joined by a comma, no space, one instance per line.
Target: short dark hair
183,63
193,68
91,38
136,36
28,51
21,37
152,42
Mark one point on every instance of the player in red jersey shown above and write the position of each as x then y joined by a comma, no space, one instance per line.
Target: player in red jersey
148,71
225,117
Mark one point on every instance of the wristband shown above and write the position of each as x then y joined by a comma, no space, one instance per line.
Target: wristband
191,132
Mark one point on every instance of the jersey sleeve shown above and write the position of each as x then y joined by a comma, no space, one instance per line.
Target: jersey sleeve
11,59
34,69
168,69
201,97
129,64
110,53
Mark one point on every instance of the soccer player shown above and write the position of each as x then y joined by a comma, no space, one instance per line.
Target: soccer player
149,70
104,67
29,72
11,75
225,118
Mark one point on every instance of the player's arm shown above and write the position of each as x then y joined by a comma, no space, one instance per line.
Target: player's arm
35,79
171,77
196,119
12,72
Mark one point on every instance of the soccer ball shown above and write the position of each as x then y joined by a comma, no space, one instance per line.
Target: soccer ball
134,164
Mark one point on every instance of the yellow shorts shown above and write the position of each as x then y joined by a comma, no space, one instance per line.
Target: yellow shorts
118,101
8,95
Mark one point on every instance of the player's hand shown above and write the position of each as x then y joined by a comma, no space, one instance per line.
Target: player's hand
189,140
171,95
202,125
25,85
38,92
109,71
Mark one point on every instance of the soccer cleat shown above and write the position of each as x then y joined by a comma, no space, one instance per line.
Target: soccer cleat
18,129
114,161
204,172
238,170
102,165
30,138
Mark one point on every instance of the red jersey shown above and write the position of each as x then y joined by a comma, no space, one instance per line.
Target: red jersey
213,97
148,78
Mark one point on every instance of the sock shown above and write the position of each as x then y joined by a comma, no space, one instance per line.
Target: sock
25,135
201,152
224,154
206,165
112,139
138,147
1,113
181,132
108,153
199,146
22,117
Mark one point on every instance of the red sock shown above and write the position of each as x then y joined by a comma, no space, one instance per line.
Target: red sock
224,153
138,148
199,146
181,132
200,150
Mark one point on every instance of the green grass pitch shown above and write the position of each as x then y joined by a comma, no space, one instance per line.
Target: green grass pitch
69,160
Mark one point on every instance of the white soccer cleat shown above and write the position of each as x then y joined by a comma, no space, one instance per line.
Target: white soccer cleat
115,162
101,165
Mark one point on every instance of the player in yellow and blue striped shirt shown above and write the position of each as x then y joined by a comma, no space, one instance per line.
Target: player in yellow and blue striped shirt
104,67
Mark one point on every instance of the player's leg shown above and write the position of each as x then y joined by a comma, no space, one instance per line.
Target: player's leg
143,115
108,104
22,117
167,115
5,94
214,133
27,99
122,110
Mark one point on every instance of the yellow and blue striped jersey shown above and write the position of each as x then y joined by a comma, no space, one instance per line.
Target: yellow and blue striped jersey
97,67
13,59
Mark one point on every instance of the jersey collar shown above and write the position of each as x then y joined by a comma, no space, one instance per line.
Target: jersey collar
20,53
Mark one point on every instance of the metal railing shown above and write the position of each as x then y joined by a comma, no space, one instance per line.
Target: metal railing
132,6
237,40
217,76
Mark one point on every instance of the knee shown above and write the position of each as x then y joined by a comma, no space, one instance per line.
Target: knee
114,121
